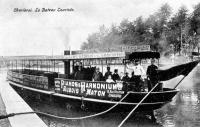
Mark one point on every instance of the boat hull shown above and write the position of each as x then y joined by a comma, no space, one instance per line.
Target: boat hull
154,101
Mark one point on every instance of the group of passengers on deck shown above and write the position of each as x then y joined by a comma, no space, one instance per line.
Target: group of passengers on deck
135,81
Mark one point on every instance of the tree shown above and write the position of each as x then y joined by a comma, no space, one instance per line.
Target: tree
195,20
177,25
163,15
113,38
156,27
159,30
193,26
127,29
84,46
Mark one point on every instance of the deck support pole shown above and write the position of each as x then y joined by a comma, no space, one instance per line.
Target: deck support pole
16,64
137,105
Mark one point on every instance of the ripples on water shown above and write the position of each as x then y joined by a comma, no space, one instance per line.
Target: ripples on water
184,110
107,120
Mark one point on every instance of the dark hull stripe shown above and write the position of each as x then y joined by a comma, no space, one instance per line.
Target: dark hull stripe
85,99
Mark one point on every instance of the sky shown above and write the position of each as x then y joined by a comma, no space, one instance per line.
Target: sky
50,33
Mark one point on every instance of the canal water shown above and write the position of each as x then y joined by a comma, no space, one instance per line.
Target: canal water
183,111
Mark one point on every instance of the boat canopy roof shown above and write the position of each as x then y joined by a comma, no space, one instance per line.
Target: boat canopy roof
195,54
101,55
144,55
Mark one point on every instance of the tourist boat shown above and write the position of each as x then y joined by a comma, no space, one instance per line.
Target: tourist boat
27,75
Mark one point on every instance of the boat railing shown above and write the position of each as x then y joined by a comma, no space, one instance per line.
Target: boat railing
142,86
132,86
35,81
94,89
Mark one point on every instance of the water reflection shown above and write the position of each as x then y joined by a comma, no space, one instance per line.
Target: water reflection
184,110
107,120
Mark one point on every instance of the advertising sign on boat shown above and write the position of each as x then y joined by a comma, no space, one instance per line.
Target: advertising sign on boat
96,55
138,48
89,88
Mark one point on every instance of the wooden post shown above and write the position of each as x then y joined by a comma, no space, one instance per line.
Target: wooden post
12,65
29,64
58,67
41,65
16,65
102,65
67,67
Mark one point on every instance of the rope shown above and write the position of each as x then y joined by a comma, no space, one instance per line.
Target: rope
66,118
145,98
137,105
179,82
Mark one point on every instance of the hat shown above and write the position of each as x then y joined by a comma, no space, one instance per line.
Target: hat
136,60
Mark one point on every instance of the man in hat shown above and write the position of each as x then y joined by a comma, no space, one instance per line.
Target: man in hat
126,78
152,74
97,76
107,73
79,74
115,76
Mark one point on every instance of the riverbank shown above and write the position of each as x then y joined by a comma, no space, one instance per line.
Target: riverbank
3,122
12,103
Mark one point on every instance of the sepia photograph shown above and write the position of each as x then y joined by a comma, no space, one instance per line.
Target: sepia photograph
99,63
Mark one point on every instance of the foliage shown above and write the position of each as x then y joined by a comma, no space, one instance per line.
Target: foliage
159,30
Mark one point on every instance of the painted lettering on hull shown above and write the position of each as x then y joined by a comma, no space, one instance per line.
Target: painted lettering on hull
95,92
89,88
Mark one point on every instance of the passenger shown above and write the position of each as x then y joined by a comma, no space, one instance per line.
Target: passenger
132,82
121,75
79,74
126,78
133,77
138,73
107,73
97,76
152,77
110,80
115,76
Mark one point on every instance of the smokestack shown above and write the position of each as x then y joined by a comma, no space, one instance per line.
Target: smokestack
65,32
